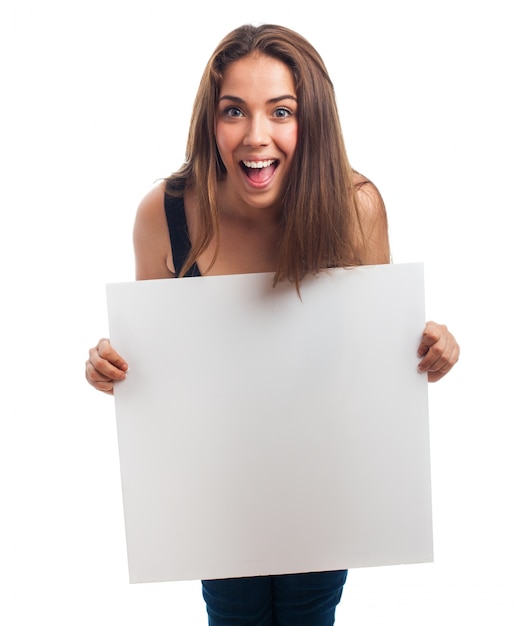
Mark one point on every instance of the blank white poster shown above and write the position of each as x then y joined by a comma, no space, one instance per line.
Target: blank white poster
265,433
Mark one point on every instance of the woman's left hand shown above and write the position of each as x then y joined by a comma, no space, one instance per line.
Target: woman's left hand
439,351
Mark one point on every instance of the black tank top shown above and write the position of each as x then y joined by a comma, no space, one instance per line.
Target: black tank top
179,234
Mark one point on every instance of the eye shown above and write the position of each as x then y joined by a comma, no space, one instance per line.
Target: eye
232,112
282,113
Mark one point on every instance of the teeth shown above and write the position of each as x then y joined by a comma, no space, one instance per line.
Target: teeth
258,164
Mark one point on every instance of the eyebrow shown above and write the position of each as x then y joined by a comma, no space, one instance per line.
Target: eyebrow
270,101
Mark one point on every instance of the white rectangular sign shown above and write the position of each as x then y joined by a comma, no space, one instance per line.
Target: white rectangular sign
263,433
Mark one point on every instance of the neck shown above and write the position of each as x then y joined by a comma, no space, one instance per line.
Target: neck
233,208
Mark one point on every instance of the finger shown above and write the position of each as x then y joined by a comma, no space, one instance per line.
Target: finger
108,363
98,380
436,368
435,343
435,375
435,358
94,374
107,352
431,335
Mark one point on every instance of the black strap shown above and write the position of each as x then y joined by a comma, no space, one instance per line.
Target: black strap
179,234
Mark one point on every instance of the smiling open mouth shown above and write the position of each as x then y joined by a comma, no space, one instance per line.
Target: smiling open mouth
259,171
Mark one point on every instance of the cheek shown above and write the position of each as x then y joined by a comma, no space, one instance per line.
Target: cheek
290,141
219,139
225,141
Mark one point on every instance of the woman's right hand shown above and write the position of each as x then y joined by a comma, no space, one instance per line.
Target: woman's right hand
104,367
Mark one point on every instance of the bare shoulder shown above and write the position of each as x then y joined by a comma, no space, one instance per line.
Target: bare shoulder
151,207
369,199
151,237
373,220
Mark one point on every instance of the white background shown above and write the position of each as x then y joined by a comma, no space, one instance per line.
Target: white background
95,105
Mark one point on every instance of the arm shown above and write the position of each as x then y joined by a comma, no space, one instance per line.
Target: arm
151,242
438,349
152,260
373,223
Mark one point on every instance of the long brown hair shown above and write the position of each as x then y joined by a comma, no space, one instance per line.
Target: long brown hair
320,225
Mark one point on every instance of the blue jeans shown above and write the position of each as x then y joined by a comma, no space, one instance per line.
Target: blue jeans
288,600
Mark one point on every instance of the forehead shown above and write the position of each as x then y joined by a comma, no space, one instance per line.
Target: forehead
256,73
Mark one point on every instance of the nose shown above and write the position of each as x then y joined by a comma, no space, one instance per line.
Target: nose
257,131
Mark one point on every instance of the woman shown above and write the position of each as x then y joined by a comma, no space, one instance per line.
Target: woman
266,187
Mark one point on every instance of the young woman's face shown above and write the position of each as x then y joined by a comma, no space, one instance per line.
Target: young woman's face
256,129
